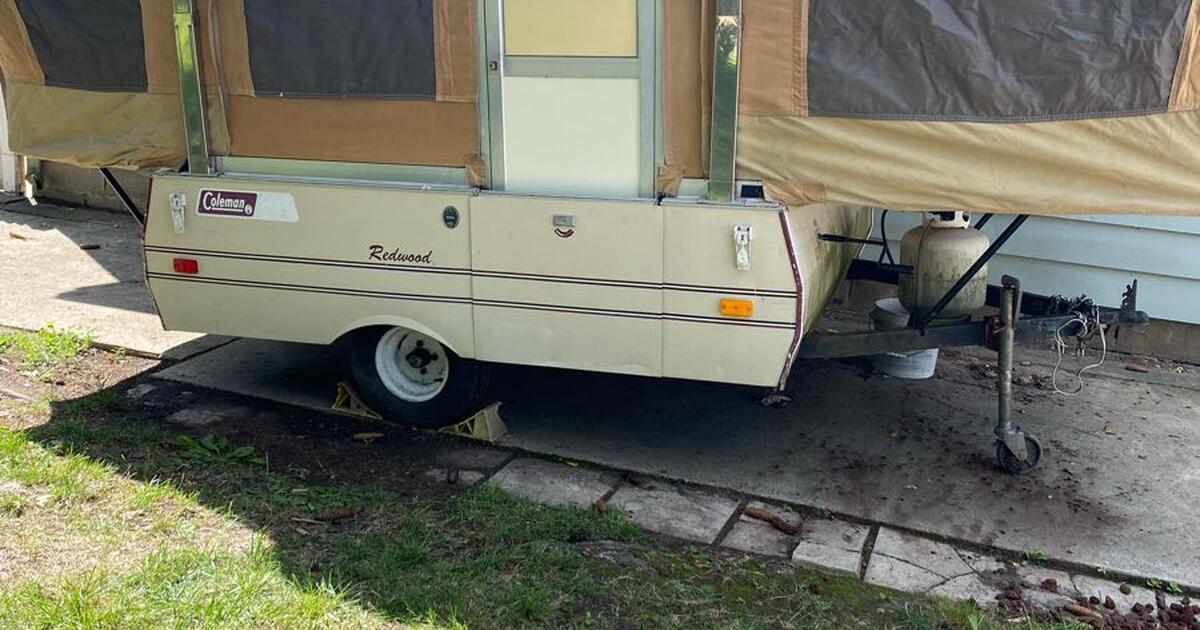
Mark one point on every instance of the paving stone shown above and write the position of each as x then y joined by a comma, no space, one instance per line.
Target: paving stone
454,476
832,545
910,563
680,512
1035,575
475,458
195,417
753,535
984,564
1039,599
1089,586
139,390
967,587
554,484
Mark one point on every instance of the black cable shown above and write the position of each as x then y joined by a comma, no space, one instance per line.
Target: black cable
887,249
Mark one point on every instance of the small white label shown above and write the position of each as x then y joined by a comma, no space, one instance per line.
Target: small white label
261,206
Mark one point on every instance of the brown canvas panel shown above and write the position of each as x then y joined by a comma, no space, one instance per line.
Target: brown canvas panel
684,126
456,50
385,131
800,59
18,62
477,171
1185,87
162,65
228,56
708,21
1126,165
767,59
95,128
668,179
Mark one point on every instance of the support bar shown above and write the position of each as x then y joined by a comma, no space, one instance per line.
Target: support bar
970,333
191,89
723,145
126,200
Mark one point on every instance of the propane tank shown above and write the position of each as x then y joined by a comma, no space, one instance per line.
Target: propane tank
940,251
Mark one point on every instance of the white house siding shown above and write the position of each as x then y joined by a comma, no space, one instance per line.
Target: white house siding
1096,255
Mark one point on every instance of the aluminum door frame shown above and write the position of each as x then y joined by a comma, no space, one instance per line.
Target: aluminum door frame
494,65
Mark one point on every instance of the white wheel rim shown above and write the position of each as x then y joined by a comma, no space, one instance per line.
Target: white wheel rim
413,367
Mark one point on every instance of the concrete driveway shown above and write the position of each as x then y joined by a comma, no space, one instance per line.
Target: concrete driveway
82,269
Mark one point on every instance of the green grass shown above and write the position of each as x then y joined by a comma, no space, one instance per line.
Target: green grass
176,541
183,589
44,350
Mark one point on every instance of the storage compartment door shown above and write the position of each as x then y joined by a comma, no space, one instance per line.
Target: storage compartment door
568,283
701,341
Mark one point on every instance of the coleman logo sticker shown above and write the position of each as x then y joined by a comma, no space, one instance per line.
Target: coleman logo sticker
260,206
223,202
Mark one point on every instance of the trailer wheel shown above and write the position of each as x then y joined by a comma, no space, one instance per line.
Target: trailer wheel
1009,462
410,377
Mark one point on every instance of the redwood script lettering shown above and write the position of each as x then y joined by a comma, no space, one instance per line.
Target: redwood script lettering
377,253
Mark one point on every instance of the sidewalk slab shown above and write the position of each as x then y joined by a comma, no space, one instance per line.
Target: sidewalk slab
970,587
684,513
755,536
905,562
554,484
82,269
831,544
1101,589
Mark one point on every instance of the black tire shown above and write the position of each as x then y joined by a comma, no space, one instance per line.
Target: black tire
1009,462
462,392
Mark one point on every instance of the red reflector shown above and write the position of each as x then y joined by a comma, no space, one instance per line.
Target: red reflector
187,265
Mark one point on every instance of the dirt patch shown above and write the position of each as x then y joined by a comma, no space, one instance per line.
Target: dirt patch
91,371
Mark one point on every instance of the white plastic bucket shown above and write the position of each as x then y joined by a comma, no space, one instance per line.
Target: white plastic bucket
889,314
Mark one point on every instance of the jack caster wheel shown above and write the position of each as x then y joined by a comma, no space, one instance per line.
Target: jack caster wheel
409,377
1009,461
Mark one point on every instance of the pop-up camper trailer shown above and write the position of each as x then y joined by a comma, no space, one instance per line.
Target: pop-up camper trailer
666,188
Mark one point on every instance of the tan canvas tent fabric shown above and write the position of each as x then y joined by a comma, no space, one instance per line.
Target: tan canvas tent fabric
140,124
113,126
1007,144
1037,106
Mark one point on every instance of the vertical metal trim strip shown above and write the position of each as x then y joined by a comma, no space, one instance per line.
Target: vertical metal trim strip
798,336
491,106
726,80
660,141
190,88
648,95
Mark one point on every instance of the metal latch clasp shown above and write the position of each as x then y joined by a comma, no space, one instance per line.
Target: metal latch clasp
742,236
178,211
